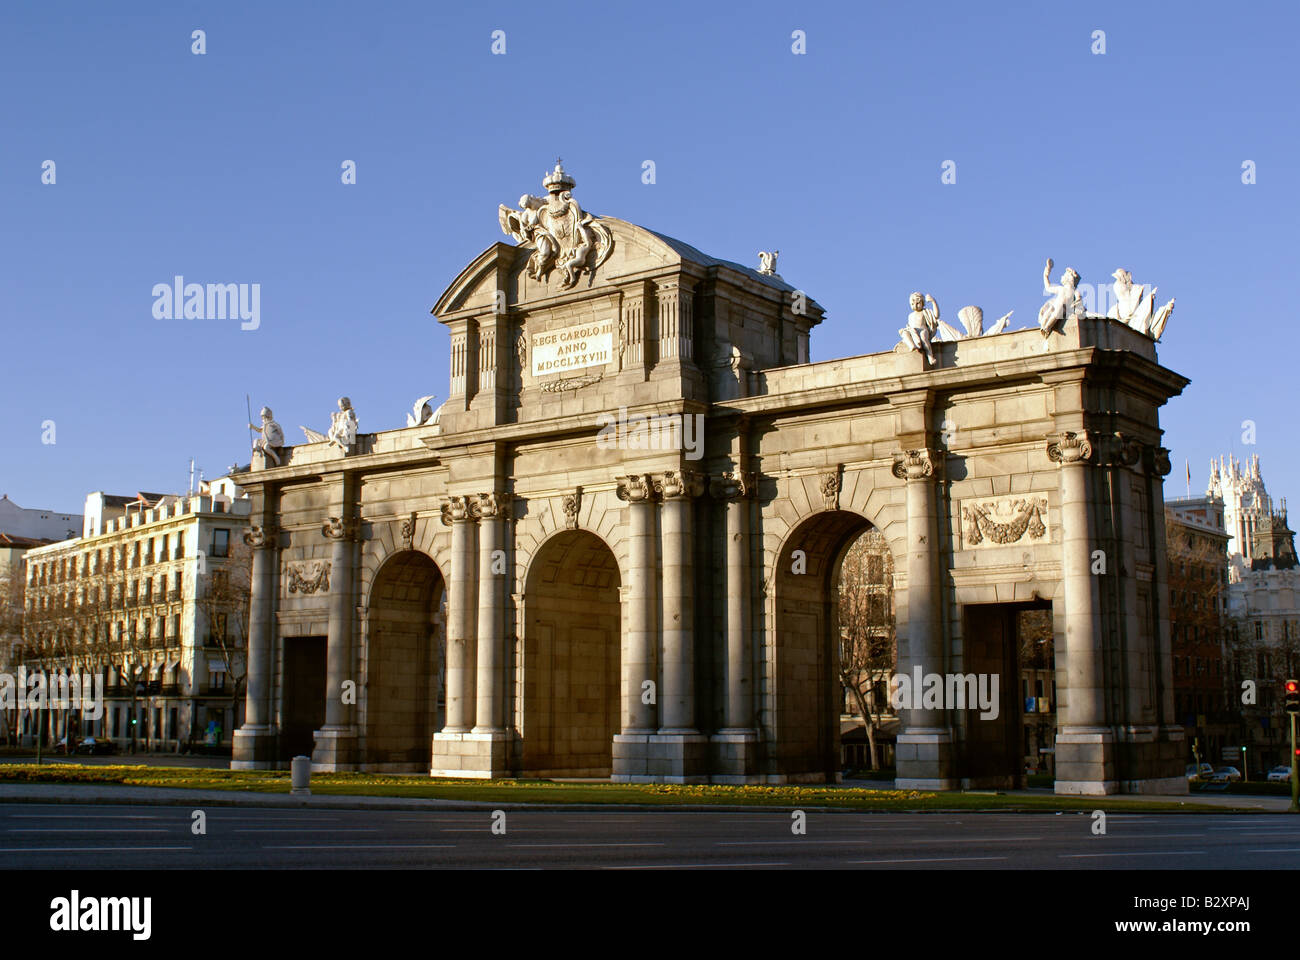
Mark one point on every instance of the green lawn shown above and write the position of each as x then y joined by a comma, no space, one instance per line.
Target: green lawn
545,791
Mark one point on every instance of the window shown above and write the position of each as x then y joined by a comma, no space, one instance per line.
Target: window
220,542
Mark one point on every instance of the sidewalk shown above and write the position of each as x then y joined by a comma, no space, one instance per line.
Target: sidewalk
171,796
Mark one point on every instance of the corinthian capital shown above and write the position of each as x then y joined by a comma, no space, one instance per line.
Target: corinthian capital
636,488
1123,450
336,528
679,484
1070,447
258,537
914,464
732,485
489,506
455,509
1158,461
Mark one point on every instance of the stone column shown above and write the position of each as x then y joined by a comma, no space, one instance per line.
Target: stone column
678,488
735,746
492,574
254,742
631,745
458,513
336,741
1084,743
925,745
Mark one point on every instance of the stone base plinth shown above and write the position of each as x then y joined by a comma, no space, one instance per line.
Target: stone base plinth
735,757
661,758
924,760
335,750
1085,762
253,749
476,755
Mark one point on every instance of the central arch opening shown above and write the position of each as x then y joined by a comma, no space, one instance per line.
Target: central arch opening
833,649
404,663
571,658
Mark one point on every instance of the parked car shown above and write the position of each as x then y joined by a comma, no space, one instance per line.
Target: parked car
1225,774
1203,772
1279,775
92,746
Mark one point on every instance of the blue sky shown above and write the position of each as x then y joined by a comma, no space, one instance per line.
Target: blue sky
225,168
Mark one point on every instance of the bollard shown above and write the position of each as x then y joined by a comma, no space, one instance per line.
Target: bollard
301,776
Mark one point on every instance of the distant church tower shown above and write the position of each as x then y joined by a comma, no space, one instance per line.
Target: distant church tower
1246,504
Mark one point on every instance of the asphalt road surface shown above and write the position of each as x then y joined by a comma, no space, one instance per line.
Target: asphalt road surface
72,836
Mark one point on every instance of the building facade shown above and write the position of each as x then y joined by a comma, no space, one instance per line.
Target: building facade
1204,698
148,601
36,524
634,501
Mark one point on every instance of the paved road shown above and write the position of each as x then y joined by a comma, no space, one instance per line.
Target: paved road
72,836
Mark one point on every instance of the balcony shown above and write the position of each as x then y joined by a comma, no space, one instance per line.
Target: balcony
174,596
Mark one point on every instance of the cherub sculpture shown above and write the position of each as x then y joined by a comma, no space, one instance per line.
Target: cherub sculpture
922,324
272,437
343,428
1065,302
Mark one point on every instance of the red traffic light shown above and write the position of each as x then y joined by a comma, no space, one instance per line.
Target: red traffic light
1292,686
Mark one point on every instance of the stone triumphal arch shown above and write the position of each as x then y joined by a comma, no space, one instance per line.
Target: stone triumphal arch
611,550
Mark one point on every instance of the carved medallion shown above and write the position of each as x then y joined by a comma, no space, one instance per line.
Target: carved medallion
407,531
1002,521
309,576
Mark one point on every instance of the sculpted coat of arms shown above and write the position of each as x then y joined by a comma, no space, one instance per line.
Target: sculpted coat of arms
563,235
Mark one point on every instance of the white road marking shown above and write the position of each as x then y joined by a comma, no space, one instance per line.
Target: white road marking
366,846
1139,853
560,844
88,830
305,830
931,860
83,849
695,866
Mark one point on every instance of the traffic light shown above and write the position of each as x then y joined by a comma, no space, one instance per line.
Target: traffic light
1292,696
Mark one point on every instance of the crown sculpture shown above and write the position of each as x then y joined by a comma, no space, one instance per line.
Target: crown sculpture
563,235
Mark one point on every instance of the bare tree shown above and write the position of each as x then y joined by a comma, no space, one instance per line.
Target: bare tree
222,597
868,647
